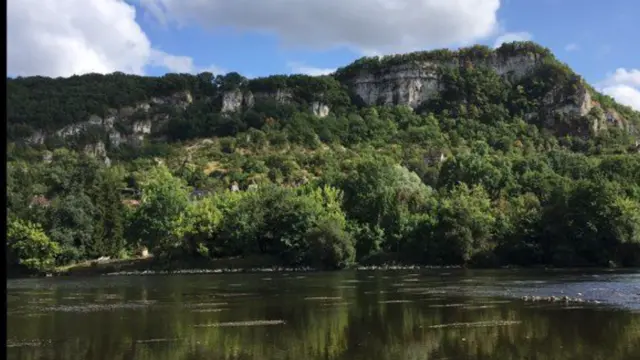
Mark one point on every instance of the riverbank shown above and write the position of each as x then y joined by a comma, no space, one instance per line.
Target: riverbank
253,264
149,265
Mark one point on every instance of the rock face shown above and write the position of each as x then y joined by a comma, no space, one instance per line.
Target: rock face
560,106
408,84
37,138
180,99
577,113
98,149
76,129
236,100
280,96
141,126
413,83
320,109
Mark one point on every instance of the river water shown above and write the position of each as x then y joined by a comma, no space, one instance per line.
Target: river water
435,314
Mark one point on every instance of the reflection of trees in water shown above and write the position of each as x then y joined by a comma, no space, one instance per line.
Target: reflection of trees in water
357,327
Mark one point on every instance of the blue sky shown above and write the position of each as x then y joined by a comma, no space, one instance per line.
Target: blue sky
598,39
594,37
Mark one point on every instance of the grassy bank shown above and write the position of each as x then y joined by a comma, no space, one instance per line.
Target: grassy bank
151,264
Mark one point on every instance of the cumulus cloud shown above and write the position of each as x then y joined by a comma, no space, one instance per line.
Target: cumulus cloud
179,63
299,68
365,25
67,37
624,86
511,37
624,77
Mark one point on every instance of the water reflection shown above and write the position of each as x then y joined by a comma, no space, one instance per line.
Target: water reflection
346,315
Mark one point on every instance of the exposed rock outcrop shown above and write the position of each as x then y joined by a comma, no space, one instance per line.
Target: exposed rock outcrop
180,99
140,118
98,149
280,96
37,138
564,109
576,113
320,109
415,82
237,100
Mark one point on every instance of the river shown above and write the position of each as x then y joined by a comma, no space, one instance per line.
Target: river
426,314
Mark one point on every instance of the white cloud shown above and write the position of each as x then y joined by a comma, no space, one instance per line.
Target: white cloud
624,86
571,47
365,25
624,94
180,64
511,37
67,37
624,77
175,63
298,68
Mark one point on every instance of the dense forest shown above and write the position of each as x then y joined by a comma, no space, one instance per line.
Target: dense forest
463,180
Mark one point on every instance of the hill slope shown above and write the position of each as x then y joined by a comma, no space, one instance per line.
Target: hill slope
442,157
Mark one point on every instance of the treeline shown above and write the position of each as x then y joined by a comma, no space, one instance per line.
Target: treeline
41,103
377,64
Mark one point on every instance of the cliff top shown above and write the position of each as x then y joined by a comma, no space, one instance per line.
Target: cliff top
472,53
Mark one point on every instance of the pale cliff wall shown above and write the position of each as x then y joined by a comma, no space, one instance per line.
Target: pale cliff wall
140,118
413,83
238,100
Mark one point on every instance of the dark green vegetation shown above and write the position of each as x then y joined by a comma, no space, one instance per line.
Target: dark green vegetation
461,180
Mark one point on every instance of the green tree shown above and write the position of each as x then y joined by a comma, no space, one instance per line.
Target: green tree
72,226
109,230
29,247
164,200
465,226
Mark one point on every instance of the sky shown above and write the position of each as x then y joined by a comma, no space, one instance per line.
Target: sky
599,39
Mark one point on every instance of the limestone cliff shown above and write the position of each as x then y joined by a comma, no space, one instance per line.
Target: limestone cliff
129,124
316,94
531,84
414,82
415,79
237,100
